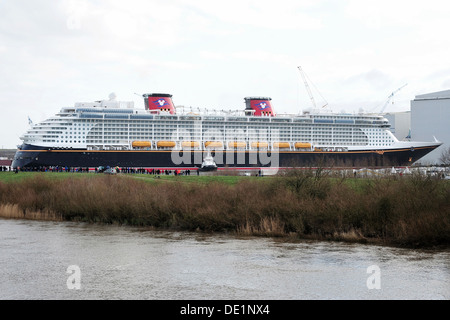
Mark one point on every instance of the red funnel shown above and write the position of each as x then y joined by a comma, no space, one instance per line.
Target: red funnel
161,102
259,106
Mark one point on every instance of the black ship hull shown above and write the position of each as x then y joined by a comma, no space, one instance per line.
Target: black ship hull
29,156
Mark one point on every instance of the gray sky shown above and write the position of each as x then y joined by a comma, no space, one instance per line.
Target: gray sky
212,54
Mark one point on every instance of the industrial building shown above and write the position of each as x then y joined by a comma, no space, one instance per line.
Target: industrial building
430,116
400,124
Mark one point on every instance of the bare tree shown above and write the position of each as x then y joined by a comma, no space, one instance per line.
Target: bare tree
445,156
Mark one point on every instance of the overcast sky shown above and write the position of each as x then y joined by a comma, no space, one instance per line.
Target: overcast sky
212,54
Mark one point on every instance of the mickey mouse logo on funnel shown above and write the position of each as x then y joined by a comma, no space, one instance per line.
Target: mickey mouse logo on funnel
259,106
159,102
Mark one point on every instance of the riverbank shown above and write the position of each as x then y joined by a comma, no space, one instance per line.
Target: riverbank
409,211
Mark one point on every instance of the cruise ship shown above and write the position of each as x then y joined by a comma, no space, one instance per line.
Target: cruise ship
161,136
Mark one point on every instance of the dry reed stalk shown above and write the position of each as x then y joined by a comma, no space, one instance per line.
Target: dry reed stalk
12,211
352,235
268,226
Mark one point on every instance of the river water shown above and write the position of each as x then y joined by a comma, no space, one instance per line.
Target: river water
65,260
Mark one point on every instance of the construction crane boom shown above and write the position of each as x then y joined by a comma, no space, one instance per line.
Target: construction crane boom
307,87
390,97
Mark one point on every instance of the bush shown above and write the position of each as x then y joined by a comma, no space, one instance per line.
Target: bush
411,211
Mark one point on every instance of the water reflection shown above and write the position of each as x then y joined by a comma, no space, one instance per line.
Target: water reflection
130,263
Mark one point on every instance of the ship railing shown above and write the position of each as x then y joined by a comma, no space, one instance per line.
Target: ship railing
323,148
108,147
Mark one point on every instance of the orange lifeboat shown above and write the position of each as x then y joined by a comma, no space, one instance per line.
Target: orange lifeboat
213,144
169,144
302,145
280,145
260,144
141,144
189,144
237,144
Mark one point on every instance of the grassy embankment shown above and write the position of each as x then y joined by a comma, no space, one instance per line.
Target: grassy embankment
406,211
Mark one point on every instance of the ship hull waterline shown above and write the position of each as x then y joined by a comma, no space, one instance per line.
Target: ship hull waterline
29,156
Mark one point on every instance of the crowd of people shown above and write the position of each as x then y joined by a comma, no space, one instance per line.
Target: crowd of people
100,169
176,172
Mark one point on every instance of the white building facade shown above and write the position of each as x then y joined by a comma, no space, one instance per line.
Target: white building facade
430,116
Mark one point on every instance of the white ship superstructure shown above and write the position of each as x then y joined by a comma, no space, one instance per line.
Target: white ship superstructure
110,125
